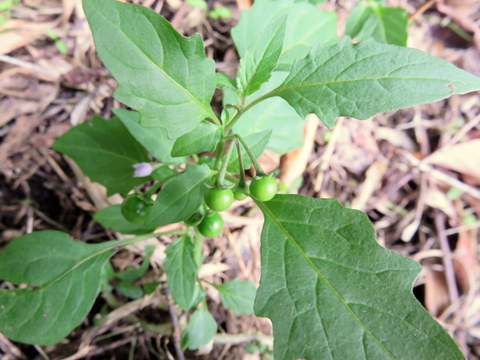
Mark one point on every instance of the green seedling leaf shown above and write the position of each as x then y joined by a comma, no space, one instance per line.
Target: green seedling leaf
133,274
330,289
361,80
65,278
203,138
257,143
387,25
221,12
306,26
155,140
181,268
201,328
106,152
180,198
273,114
238,296
261,59
111,218
160,73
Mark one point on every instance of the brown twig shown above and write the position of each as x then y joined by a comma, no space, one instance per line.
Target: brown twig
176,334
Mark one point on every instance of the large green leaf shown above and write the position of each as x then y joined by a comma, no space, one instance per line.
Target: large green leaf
306,25
105,151
181,267
261,59
361,80
111,217
201,328
383,23
333,293
64,275
203,138
180,198
238,296
160,73
273,114
155,140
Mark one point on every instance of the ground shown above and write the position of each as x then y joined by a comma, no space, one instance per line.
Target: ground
415,172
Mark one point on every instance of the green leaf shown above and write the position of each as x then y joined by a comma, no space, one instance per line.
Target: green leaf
106,152
163,174
361,80
155,140
133,274
111,218
238,296
330,289
306,25
200,329
387,25
160,73
130,290
65,276
273,114
224,81
180,198
203,138
261,59
257,143
181,268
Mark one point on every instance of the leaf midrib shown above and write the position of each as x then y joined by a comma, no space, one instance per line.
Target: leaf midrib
297,246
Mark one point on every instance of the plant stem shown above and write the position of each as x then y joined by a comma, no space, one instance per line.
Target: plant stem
223,170
258,167
125,242
242,183
218,156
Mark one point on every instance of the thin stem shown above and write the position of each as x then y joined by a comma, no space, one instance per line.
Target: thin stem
242,182
210,283
246,108
258,167
215,118
130,241
218,157
223,170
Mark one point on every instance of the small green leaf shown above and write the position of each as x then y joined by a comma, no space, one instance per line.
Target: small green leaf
262,57
238,296
203,138
155,140
361,80
330,289
200,329
163,174
181,268
306,25
160,73
66,279
111,217
130,290
133,274
387,25
257,143
180,198
224,81
273,114
105,151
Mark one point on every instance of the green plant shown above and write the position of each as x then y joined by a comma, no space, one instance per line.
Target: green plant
135,209
330,290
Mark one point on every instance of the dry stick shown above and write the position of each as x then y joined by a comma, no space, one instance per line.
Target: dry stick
176,333
447,257
421,10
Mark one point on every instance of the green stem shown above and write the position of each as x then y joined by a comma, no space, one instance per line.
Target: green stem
258,167
125,242
218,156
242,183
246,108
223,170
215,118
209,283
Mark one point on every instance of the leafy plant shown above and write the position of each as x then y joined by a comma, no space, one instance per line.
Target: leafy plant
330,290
